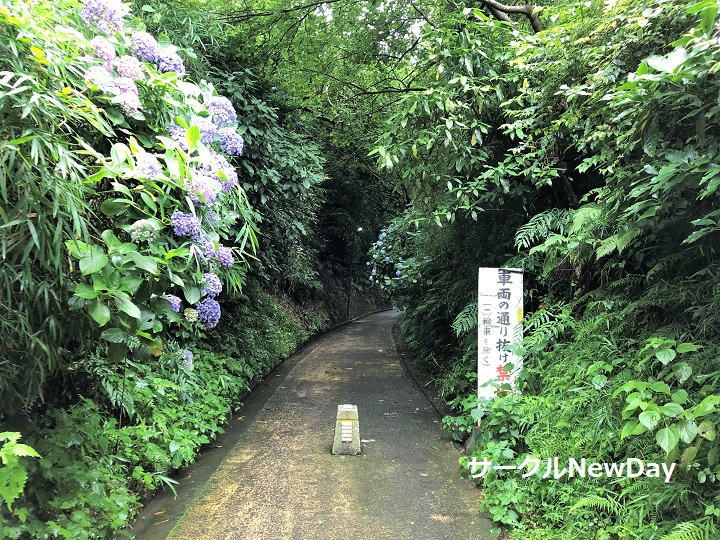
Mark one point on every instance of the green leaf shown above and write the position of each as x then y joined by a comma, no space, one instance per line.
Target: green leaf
682,371
671,409
660,387
628,429
680,396
706,430
649,419
93,262
125,304
114,335
83,290
665,355
113,207
667,438
687,429
142,261
100,312
192,294
193,136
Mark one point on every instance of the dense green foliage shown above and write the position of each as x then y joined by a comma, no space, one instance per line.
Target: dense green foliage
590,146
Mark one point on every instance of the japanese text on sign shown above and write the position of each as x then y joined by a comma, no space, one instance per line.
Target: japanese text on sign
500,312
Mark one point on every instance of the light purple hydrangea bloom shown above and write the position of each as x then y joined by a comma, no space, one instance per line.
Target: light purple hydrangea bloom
103,49
178,135
129,102
218,166
149,165
207,128
186,357
203,189
175,302
398,273
212,216
208,249
169,60
100,77
213,286
130,67
383,235
224,256
222,111
104,15
126,85
185,225
208,313
145,46
231,142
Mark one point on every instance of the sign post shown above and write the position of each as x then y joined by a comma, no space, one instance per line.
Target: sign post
500,313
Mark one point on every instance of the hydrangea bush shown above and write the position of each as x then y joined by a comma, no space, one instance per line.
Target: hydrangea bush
124,169
167,185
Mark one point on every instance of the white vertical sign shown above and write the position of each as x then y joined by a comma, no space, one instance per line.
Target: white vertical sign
500,313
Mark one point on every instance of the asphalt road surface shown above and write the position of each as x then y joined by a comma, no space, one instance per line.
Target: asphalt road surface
273,476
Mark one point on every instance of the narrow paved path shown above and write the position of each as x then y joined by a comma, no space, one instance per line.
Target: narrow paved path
279,479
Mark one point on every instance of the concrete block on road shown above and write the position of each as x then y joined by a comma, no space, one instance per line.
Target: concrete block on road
347,431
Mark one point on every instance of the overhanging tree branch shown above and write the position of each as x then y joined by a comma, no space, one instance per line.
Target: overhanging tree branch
503,11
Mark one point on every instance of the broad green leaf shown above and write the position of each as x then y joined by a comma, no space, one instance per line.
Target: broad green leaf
649,419
93,262
114,335
665,355
142,261
83,290
125,304
100,312
706,430
667,438
687,429
660,387
192,294
671,409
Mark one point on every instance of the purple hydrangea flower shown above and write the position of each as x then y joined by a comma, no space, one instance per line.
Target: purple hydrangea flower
398,273
103,49
382,252
175,302
178,135
186,357
378,243
222,111
100,77
374,271
185,225
203,189
169,60
130,67
231,142
224,256
208,129
231,179
145,47
213,286
104,15
126,85
212,216
208,313
208,249
129,102
383,235
148,165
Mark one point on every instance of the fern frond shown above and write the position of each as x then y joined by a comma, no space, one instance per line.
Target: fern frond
466,320
601,503
701,529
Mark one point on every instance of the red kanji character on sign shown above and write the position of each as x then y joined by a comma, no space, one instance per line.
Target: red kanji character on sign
502,374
